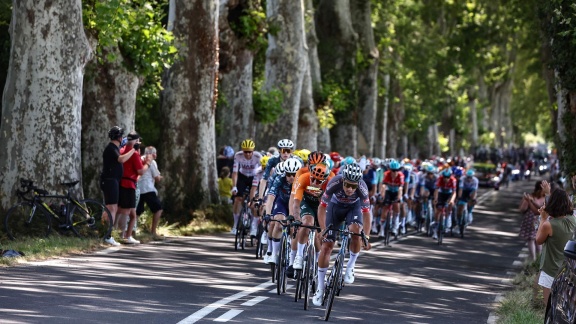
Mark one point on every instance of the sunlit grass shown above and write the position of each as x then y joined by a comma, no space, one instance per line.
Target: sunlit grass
58,246
523,305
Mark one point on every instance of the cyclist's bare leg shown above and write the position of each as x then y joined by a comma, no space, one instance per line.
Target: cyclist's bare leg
324,262
276,234
236,210
396,218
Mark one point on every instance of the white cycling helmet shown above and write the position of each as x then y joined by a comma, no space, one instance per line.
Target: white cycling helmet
286,144
352,172
376,161
292,165
280,168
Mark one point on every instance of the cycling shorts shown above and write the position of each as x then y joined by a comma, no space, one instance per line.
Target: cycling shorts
243,184
390,198
280,207
465,197
336,214
443,199
309,208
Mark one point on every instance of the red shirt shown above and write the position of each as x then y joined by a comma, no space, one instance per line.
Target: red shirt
393,184
131,167
446,186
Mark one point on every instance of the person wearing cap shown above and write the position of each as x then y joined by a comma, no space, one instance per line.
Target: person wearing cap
112,170
133,168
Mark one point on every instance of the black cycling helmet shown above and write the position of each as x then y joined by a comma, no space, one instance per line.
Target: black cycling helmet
115,132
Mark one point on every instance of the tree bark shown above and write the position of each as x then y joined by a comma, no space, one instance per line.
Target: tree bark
382,119
40,126
284,68
367,74
395,119
235,113
337,53
188,109
109,98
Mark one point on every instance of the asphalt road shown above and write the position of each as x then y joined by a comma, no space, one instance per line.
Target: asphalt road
201,279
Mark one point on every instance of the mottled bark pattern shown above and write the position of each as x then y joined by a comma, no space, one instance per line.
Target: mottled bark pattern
40,126
367,75
382,119
284,68
109,99
395,120
187,108
235,113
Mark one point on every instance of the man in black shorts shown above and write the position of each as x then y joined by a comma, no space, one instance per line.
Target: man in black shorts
112,173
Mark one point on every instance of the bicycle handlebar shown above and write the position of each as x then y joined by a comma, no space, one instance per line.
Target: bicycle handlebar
346,232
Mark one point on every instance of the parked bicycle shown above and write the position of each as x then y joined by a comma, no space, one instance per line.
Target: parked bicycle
335,281
34,217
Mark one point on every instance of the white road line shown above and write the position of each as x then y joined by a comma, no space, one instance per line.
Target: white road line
214,306
275,290
254,301
228,315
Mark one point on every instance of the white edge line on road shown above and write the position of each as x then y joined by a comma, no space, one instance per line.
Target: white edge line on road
214,306
254,301
228,315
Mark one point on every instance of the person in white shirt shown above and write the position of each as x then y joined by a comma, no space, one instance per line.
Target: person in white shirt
148,192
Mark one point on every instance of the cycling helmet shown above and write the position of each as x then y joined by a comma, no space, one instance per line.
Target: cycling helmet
330,164
352,172
458,172
280,168
264,161
470,173
394,165
447,173
348,160
248,145
429,168
408,167
115,132
292,165
376,161
335,156
316,157
320,171
285,144
304,153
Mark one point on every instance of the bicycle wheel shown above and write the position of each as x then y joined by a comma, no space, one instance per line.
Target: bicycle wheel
308,274
462,222
23,221
91,219
387,232
441,229
298,286
245,227
333,287
259,243
238,235
280,268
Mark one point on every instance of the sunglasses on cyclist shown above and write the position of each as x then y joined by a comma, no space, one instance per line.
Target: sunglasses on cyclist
286,150
317,181
350,185
248,152
290,174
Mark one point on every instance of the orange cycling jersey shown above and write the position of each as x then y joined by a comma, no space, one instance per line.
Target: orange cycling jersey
306,169
303,185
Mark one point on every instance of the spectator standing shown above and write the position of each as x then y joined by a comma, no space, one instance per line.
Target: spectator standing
225,158
112,170
529,208
127,202
225,186
148,192
557,225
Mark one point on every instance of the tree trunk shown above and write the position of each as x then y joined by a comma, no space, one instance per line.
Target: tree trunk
324,143
382,119
109,98
561,101
367,75
41,105
395,119
307,119
284,68
472,104
188,105
235,113
337,53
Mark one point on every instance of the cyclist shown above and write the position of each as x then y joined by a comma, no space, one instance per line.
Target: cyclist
345,200
286,148
393,185
246,165
444,196
277,204
307,191
467,194
409,194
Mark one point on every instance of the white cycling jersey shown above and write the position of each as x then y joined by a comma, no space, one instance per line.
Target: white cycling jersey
246,167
